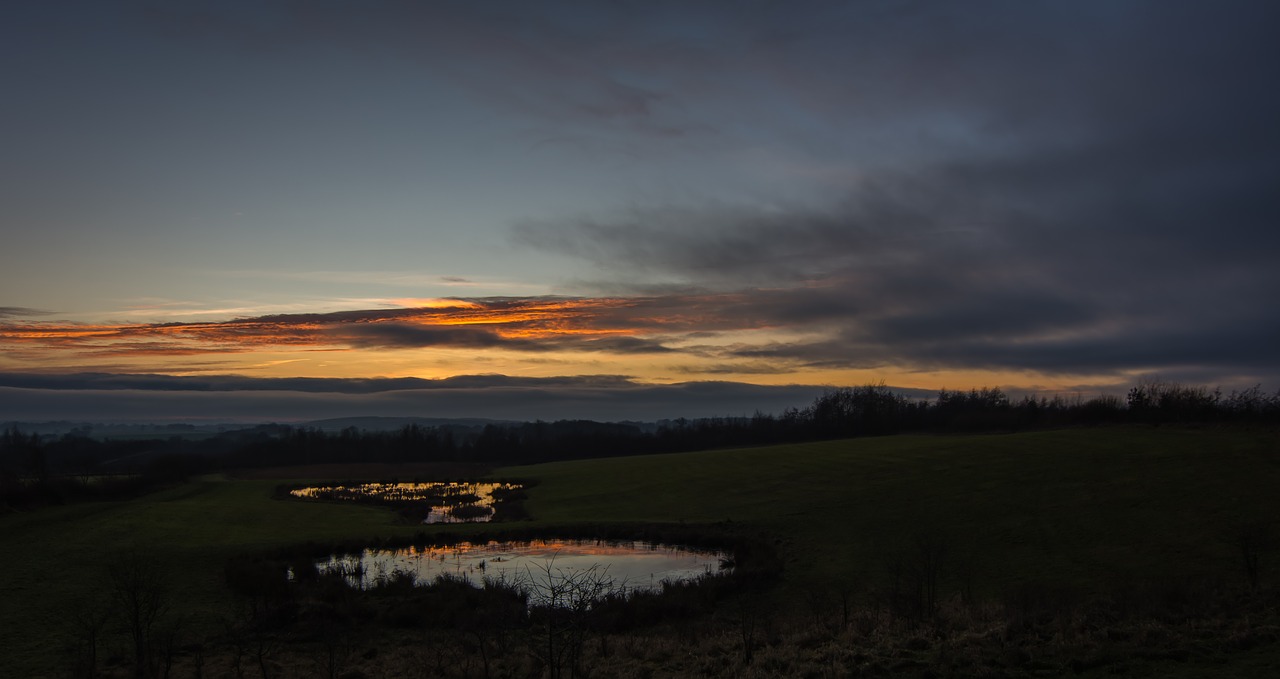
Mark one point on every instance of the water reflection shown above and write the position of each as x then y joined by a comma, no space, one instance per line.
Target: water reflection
629,565
450,501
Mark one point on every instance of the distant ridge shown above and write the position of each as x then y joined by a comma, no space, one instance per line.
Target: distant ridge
396,423
118,430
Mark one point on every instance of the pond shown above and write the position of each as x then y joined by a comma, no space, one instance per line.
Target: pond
449,501
627,566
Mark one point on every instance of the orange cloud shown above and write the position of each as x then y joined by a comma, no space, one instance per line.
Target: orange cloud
527,324
765,336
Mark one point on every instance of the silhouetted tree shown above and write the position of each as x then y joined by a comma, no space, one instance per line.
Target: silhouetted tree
140,597
561,600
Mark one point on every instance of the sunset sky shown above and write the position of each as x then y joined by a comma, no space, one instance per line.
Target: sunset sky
287,209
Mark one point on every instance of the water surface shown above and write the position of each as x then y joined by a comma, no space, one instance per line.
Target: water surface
628,565
449,501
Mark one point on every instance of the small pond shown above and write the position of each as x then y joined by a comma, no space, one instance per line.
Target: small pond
630,566
449,501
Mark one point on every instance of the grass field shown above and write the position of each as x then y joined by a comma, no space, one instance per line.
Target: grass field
57,556
1069,506
1087,508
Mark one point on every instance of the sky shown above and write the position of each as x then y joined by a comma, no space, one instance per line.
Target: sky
286,209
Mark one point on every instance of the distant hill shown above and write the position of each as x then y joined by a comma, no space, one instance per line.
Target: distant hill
397,423
204,430
139,430
123,430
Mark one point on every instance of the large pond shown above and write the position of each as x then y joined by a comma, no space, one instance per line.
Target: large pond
627,566
449,501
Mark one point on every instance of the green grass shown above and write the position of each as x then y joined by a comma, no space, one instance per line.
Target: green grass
56,557
1082,507
1065,506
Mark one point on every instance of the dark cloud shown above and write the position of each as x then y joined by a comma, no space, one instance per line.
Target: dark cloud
1226,349
21,312
1070,188
386,335
504,381
556,62
153,382
526,324
1013,292
671,70
400,336
776,368
621,345
1109,207
494,397
1160,350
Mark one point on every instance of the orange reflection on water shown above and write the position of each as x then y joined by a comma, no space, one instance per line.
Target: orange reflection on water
626,565
451,501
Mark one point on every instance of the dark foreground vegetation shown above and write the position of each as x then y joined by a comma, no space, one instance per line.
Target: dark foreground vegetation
908,624
37,470
287,618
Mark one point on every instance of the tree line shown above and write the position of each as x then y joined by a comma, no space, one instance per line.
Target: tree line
41,470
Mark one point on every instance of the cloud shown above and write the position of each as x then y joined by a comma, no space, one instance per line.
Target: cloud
401,336
1066,188
758,368
154,382
880,79
1081,191
947,314
605,398
1036,262
556,63
1071,190
21,312
611,325
526,324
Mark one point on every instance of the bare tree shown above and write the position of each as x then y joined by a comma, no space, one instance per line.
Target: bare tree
915,572
335,649
747,619
86,625
251,634
139,594
1253,541
925,570
562,599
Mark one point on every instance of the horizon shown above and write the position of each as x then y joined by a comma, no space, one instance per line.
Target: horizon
42,399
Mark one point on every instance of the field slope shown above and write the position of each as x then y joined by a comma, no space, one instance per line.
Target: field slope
1085,508
1069,506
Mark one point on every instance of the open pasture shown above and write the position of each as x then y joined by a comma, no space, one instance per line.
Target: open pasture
1088,509
1072,506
